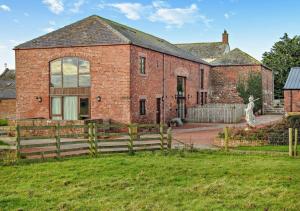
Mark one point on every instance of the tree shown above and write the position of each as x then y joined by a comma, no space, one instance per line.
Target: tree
284,55
251,84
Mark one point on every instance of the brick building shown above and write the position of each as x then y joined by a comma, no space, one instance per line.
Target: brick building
99,69
292,91
7,94
227,67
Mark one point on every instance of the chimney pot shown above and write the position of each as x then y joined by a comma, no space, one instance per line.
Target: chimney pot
225,37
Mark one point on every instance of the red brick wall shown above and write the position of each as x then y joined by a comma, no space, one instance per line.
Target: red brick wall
150,86
115,77
292,100
8,109
224,80
109,72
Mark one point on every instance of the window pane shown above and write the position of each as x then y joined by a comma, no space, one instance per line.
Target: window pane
56,105
84,108
70,108
55,66
56,81
70,72
84,66
84,80
142,107
142,65
57,118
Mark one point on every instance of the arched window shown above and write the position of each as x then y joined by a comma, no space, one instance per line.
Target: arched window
70,83
70,72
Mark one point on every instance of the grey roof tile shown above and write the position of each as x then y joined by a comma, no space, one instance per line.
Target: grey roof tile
209,50
7,89
96,30
235,57
293,80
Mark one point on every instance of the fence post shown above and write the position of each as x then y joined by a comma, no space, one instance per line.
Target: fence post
57,137
226,138
290,142
95,133
161,133
296,142
169,132
132,129
91,139
18,140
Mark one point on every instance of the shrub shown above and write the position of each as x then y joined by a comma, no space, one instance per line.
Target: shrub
3,122
251,85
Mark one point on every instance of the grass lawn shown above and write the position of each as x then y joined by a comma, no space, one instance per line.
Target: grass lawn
152,181
2,143
279,148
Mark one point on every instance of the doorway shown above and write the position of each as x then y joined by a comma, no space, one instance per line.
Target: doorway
181,97
158,110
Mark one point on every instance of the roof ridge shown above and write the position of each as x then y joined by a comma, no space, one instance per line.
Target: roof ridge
119,34
193,43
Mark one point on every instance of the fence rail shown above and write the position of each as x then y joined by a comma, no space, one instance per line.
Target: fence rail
92,139
211,113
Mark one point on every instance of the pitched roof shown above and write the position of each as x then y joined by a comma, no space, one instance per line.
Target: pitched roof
210,50
293,80
235,57
95,30
8,74
7,89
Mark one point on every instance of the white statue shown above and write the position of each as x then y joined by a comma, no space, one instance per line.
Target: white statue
250,118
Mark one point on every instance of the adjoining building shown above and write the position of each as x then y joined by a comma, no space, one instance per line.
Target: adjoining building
227,68
99,69
292,91
7,94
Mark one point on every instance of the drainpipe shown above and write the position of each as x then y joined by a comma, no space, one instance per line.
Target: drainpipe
163,99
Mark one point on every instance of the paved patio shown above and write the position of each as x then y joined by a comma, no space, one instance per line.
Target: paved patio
201,135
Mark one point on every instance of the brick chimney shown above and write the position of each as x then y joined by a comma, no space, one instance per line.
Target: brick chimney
225,37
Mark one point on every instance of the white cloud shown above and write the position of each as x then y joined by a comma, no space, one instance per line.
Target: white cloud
228,15
77,5
55,6
132,11
178,16
160,4
2,46
4,7
159,11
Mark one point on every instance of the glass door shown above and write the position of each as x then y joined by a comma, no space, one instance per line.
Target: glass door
70,108
181,99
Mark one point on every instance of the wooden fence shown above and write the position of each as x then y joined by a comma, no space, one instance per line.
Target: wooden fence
95,139
221,113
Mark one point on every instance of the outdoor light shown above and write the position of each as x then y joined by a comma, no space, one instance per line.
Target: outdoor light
39,99
98,98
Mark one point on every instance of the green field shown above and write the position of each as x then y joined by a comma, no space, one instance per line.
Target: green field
268,148
153,181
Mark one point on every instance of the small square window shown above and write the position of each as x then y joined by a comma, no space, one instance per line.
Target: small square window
143,107
142,65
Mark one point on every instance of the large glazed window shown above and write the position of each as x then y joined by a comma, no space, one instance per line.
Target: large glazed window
70,72
70,83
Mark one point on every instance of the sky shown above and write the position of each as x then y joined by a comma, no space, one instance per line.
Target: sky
253,25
